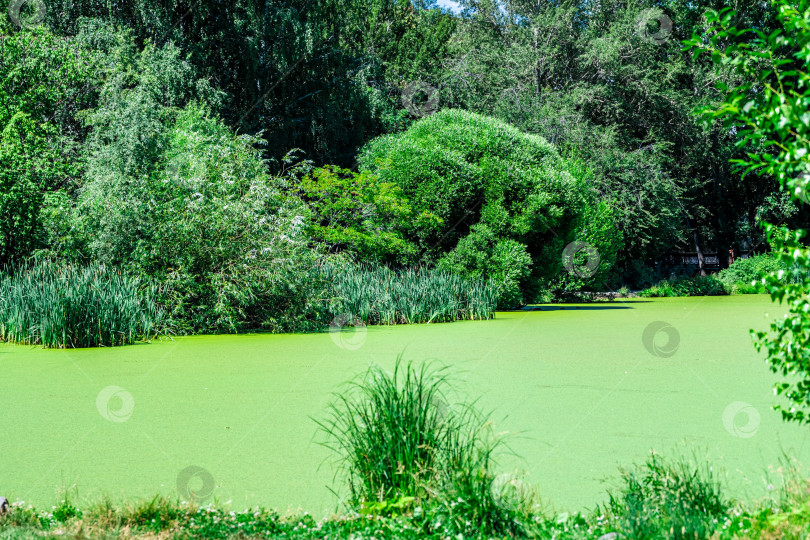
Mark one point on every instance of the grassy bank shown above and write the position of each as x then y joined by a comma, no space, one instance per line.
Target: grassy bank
69,306
745,276
657,500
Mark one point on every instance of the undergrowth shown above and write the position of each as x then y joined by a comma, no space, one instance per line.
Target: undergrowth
380,295
656,500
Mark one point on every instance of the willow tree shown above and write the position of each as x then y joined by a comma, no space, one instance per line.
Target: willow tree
493,201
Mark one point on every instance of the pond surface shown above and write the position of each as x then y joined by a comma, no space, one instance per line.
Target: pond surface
584,391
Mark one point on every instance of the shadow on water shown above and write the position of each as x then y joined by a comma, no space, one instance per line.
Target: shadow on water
630,301
569,308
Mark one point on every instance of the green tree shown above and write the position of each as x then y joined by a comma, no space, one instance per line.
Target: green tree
356,213
173,194
770,111
21,188
608,81
43,86
309,74
467,169
211,225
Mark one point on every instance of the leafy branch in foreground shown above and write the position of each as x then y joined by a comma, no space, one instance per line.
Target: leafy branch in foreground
788,345
771,110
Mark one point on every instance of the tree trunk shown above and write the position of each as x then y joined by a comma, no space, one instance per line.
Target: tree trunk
721,234
701,261
698,250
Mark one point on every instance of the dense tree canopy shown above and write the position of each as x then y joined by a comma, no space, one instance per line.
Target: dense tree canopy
555,123
595,78
42,88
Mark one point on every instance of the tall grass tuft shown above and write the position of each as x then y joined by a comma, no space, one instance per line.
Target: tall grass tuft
58,305
787,515
380,295
401,445
663,499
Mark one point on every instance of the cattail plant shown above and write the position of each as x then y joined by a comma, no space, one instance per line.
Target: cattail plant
61,305
380,295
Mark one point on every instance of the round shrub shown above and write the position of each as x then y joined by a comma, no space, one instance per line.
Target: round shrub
505,261
475,175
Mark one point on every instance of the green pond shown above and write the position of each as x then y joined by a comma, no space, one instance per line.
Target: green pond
583,390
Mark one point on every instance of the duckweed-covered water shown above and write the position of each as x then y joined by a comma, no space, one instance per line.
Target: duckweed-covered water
583,390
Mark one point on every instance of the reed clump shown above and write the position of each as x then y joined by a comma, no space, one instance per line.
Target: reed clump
63,305
405,448
680,498
380,295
